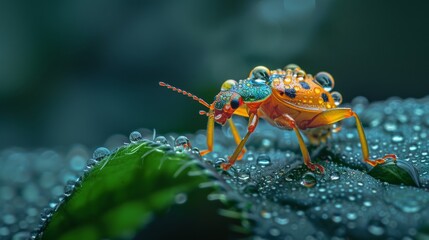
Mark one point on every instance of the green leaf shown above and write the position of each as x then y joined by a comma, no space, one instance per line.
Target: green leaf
396,173
121,193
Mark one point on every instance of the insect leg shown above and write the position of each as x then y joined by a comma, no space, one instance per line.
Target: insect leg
210,136
334,115
253,122
287,121
237,137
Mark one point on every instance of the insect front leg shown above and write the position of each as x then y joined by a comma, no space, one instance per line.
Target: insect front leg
237,137
253,122
210,136
334,115
287,121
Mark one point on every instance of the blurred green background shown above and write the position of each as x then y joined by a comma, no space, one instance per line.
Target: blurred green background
80,71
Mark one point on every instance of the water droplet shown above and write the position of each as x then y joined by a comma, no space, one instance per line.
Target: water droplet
289,177
308,180
338,98
336,218
265,214
135,136
375,228
161,140
274,232
325,80
46,213
335,176
351,216
281,220
263,160
413,147
182,143
243,176
180,198
77,163
21,235
68,188
291,66
9,219
390,126
397,138
100,153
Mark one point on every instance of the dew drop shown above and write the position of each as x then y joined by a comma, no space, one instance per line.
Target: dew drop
351,216
375,228
265,214
161,140
68,188
338,98
390,126
77,163
182,143
337,218
325,80
135,136
308,180
263,160
100,153
397,138
9,219
274,232
281,220
335,176
243,176
180,198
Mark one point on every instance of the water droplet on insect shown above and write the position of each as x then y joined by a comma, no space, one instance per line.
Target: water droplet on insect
182,143
291,66
325,80
308,180
300,74
338,98
100,153
135,136
263,160
161,140
397,138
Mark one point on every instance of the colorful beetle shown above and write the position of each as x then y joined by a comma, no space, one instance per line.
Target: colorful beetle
288,99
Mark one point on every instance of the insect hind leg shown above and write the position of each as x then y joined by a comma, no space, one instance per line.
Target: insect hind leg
337,114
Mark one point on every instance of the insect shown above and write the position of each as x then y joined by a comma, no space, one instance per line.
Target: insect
286,98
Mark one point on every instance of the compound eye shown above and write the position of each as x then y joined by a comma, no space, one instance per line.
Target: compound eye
260,72
228,84
235,103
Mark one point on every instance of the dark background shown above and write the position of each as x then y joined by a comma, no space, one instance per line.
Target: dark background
79,71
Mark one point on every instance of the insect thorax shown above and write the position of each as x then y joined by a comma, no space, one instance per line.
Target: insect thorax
252,90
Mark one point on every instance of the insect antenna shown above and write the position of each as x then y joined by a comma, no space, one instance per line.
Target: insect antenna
200,100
